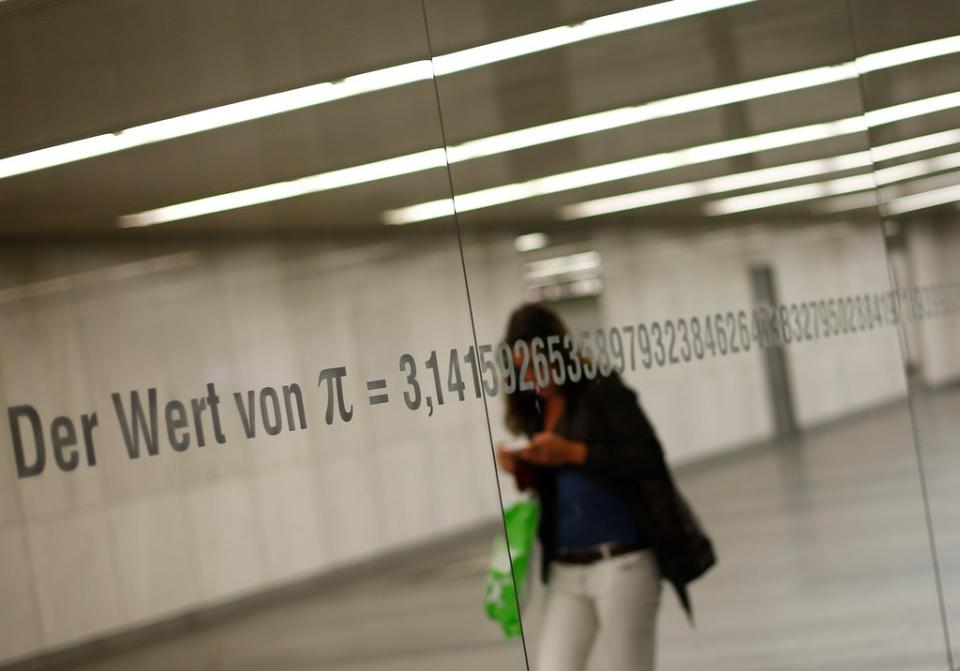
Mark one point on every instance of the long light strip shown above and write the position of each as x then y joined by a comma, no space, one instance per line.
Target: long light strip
657,162
913,108
853,201
790,194
385,78
552,38
367,82
501,143
658,109
558,130
216,117
920,201
833,187
752,178
706,187
908,54
700,100
369,172
938,186
621,170
914,145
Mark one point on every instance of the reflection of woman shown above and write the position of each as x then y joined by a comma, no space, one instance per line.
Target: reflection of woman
612,524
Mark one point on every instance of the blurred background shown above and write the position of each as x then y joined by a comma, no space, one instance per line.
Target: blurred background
272,197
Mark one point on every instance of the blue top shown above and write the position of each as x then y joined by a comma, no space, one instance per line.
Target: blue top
588,514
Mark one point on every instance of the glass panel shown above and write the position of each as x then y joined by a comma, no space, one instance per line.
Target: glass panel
918,196
213,426
657,175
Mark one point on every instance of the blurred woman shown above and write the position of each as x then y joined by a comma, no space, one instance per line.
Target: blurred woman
612,523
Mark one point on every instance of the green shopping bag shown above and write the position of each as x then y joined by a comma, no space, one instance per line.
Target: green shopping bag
500,598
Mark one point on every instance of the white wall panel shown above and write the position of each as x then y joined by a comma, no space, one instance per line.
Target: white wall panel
157,559
228,538
75,568
213,523
20,630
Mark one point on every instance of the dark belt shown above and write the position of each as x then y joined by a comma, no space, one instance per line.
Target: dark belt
597,552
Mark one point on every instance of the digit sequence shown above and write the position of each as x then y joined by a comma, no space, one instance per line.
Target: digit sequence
597,353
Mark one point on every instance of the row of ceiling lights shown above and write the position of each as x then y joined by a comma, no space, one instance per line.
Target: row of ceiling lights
586,125
354,85
550,132
644,165
784,173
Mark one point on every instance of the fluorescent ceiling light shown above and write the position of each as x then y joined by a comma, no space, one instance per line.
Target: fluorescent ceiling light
563,35
928,192
752,178
411,163
657,162
923,200
908,54
905,171
743,180
216,117
369,172
562,265
912,109
917,185
790,194
854,201
367,82
434,158
914,145
647,16
528,137
385,78
802,192
692,102
658,109
530,242
716,97
609,172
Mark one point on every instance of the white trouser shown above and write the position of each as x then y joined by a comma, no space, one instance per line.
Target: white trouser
613,601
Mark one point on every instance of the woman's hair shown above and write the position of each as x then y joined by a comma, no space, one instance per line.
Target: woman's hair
529,321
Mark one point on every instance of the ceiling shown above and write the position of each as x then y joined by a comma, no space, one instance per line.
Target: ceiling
72,70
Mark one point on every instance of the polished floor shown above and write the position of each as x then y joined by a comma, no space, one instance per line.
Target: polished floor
825,563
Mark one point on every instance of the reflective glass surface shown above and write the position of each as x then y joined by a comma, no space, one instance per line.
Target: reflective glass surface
917,197
305,305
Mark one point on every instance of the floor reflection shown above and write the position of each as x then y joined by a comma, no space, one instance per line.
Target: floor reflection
817,538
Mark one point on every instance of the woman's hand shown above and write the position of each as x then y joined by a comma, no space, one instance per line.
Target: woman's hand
548,448
506,458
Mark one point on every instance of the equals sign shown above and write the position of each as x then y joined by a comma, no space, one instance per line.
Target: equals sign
376,385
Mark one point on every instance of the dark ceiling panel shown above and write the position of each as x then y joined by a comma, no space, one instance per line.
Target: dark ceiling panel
71,69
